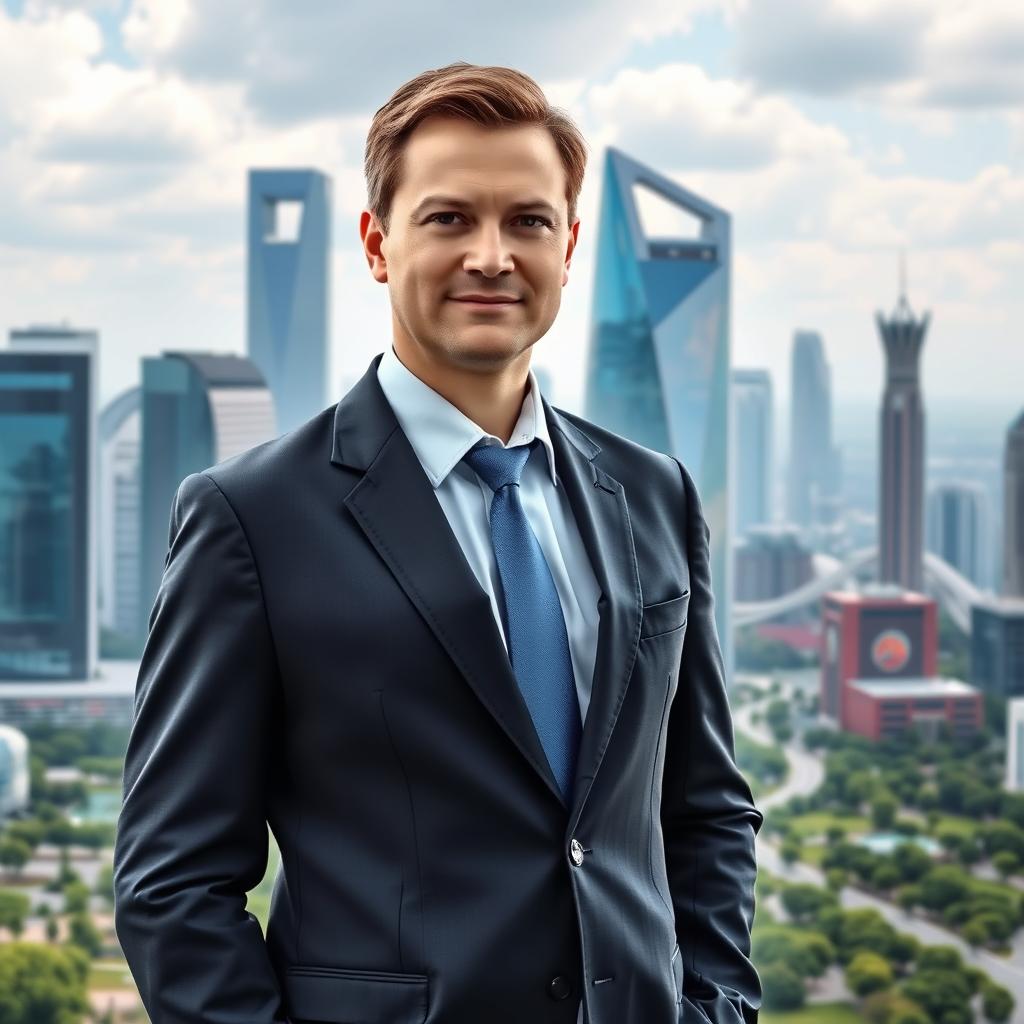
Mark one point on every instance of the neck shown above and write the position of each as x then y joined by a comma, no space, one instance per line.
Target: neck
492,399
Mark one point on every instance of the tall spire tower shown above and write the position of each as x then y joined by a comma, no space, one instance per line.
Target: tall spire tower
901,487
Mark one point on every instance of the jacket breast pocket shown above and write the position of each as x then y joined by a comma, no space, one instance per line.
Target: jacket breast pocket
342,996
664,616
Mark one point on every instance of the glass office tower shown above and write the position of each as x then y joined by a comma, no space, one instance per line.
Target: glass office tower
289,288
197,409
47,525
658,369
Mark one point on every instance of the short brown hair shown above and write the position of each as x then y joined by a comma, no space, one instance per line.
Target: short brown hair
492,97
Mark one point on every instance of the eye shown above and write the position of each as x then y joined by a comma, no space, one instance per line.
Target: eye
540,221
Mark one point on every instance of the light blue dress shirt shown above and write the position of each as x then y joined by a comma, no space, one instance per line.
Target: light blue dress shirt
440,434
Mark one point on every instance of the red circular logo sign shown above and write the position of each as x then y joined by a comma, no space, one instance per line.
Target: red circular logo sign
891,650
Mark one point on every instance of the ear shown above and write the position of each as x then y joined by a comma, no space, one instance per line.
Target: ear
574,231
373,236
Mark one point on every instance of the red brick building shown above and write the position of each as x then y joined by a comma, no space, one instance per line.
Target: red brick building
884,708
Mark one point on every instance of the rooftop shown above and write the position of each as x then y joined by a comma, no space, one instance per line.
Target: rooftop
929,686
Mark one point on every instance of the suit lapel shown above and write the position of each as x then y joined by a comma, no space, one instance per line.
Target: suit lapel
395,506
598,503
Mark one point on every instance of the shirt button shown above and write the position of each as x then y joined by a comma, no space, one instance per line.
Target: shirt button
576,852
559,988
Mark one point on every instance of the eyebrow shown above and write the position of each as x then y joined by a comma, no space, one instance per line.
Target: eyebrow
530,204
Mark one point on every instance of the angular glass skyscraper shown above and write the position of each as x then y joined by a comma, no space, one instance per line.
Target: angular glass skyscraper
47,503
658,369
289,288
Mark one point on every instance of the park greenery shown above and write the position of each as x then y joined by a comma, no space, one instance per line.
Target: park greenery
895,978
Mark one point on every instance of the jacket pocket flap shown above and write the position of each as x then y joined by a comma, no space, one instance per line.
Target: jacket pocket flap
344,996
664,616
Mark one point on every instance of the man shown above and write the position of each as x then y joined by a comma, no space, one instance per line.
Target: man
456,646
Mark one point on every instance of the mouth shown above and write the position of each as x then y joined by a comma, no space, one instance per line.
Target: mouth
486,304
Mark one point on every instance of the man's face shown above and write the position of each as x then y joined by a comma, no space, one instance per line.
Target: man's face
478,212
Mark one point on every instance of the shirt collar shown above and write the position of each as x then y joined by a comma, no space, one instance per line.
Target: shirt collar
440,434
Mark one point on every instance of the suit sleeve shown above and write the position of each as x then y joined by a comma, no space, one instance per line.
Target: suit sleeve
192,831
708,815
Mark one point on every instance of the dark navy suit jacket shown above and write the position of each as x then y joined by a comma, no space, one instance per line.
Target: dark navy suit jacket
321,658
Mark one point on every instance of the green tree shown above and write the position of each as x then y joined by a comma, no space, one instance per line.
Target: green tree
804,902
84,934
974,933
42,984
1006,863
14,855
781,988
883,810
76,898
867,973
997,1003
14,908
790,851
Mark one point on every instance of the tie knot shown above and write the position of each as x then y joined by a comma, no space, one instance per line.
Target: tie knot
498,466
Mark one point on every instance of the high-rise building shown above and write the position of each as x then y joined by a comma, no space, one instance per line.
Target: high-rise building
289,274
658,366
997,646
14,771
197,409
47,504
771,561
958,525
752,405
1015,744
119,539
814,462
902,442
1013,510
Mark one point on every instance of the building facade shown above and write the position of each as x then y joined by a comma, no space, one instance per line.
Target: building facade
197,410
14,771
658,359
997,646
880,633
288,288
814,462
1015,745
957,526
882,709
48,504
771,561
755,437
120,439
1013,510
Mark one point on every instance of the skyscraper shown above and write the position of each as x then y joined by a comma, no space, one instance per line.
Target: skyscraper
901,483
197,409
120,453
957,526
658,361
752,403
1013,510
813,460
289,288
47,504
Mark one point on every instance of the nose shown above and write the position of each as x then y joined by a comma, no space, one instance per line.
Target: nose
488,252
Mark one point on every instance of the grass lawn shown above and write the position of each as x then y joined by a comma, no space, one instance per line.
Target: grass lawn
811,854
106,975
819,1013
956,823
817,823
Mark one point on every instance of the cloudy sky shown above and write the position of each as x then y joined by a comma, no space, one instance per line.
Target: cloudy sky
836,132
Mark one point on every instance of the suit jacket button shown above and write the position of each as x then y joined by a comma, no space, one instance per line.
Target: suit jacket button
559,988
576,852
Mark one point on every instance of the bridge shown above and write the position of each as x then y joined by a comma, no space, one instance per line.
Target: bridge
953,591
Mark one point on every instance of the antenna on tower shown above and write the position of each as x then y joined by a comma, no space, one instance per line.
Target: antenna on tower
903,274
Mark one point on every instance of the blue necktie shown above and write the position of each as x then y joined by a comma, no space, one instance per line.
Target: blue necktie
535,629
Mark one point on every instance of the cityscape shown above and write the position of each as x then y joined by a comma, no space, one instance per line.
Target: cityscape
867,558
